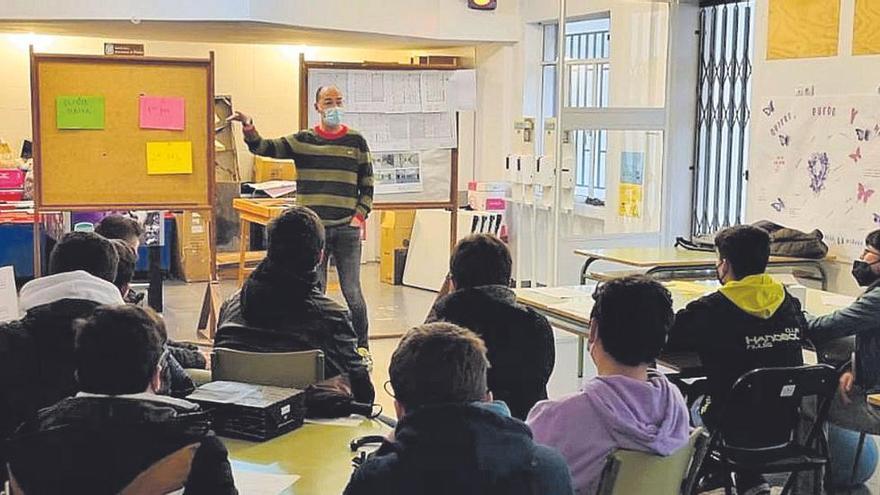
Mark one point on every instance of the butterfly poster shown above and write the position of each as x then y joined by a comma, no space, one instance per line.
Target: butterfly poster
815,164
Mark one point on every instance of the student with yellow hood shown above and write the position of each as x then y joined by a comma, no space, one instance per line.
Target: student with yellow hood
750,322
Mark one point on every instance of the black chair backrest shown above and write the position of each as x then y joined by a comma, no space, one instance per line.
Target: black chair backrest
762,410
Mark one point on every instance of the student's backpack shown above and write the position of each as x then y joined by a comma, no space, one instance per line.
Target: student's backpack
784,241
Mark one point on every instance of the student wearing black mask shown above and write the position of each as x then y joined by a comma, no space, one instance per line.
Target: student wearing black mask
862,319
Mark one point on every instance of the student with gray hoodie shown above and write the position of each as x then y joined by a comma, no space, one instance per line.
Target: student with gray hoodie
627,406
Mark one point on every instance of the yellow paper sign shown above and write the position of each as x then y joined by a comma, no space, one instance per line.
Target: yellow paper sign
866,28
629,203
803,28
169,157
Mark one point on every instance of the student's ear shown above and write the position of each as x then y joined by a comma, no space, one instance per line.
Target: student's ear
321,257
317,107
156,381
594,332
399,409
489,397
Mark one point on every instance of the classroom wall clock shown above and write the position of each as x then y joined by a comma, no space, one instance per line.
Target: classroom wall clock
483,4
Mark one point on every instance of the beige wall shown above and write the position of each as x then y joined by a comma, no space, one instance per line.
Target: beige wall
262,79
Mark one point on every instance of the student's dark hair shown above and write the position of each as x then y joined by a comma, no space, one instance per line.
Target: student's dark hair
480,259
117,349
873,239
84,251
296,239
439,363
745,247
119,227
633,315
127,262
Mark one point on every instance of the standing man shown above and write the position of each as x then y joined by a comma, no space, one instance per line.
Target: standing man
335,179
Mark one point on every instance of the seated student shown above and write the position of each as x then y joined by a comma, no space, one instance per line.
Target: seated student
862,319
750,322
627,406
451,437
176,381
117,427
280,308
36,352
520,341
129,231
123,228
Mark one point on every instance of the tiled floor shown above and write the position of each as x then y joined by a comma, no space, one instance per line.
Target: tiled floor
392,310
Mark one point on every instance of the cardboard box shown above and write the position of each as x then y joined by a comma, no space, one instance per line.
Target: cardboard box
266,169
193,246
396,231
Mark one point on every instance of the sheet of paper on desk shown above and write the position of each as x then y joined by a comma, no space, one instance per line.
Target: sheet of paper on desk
259,483
569,292
275,188
837,300
352,421
8,296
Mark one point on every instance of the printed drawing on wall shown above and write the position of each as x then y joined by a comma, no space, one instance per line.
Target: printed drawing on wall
816,165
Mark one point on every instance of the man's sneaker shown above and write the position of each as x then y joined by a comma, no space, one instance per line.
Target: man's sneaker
367,357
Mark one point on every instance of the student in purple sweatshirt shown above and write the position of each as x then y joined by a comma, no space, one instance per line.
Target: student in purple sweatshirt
626,406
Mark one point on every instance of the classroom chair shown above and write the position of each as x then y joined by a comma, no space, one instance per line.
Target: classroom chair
772,398
166,475
628,471
279,369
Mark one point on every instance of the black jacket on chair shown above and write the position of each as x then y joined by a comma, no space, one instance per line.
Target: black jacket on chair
99,444
518,339
463,449
276,311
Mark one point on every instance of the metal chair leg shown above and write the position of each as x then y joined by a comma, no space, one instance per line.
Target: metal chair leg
855,467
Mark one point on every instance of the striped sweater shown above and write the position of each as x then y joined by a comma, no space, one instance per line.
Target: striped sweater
334,171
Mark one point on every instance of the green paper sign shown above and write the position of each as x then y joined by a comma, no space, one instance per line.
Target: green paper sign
79,112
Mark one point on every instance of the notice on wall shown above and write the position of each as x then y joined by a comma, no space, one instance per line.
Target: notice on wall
397,172
866,28
632,167
159,112
629,202
803,29
169,157
79,112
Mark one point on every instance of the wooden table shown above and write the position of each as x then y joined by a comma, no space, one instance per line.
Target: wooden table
677,262
320,454
568,308
259,211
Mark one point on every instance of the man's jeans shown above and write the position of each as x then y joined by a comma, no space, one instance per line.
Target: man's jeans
344,244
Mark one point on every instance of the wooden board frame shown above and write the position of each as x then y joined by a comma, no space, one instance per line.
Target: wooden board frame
205,200
206,206
305,100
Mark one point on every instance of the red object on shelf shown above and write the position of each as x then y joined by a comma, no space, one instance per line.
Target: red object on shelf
11,178
11,194
16,217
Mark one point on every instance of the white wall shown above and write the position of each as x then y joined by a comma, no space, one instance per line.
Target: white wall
431,19
262,79
842,74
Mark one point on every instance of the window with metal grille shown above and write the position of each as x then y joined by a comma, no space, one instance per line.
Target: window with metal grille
723,94
587,62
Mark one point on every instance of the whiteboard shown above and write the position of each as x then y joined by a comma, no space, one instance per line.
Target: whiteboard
405,116
816,165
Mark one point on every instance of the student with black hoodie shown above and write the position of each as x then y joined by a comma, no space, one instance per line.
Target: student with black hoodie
452,438
519,340
118,426
750,322
281,307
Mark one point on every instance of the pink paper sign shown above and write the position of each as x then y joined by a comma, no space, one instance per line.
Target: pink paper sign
158,112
